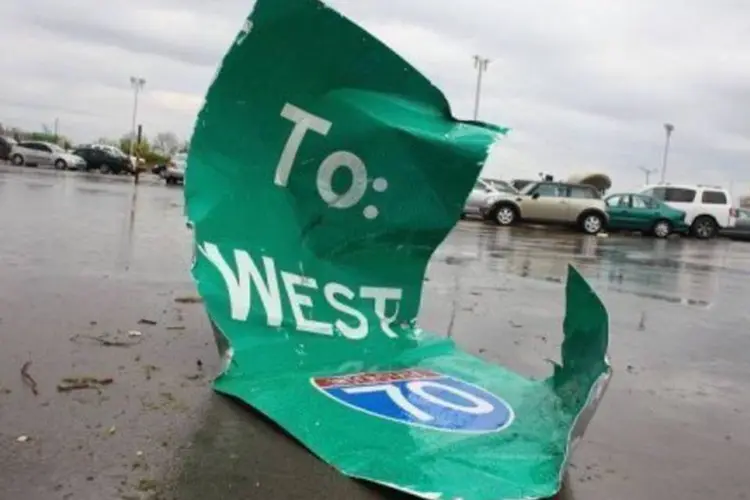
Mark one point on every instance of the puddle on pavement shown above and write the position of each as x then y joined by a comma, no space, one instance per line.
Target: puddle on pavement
125,248
37,185
99,192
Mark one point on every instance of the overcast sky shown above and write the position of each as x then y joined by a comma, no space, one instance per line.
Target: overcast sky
584,84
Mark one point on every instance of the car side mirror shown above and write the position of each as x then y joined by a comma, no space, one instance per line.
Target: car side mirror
535,196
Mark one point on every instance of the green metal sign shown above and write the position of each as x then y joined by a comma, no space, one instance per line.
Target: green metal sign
324,171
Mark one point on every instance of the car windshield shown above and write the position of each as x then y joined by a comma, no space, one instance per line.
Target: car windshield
114,151
56,148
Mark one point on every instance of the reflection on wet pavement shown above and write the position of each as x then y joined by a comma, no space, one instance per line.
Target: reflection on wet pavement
679,271
84,259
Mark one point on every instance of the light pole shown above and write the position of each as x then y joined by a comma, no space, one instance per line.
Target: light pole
137,83
668,128
480,63
648,172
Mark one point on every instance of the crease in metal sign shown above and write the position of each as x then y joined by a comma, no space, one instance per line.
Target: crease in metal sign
324,170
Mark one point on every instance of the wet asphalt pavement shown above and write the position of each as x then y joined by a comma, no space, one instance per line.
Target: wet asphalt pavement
86,260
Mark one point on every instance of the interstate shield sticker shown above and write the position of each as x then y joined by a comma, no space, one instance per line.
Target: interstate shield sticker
421,398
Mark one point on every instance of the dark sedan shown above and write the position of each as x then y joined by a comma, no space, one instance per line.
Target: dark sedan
106,160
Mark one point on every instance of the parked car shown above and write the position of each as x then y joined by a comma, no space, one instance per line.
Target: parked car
741,228
44,153
708,209
105,159
481,190
561,203
638,212
6,145
175,171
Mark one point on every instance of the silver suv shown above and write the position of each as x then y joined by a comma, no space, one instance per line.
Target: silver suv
45,153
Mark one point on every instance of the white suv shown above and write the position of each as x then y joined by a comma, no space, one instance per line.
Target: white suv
708,209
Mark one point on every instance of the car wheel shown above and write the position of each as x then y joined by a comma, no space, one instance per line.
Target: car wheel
504,215
662,229
104,168
592,223
704,227
17,160
61,165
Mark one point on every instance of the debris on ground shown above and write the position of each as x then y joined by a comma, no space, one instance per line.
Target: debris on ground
28,379
199,364
147,489
514,324
189,300
642,324
70,384
104,341
149,369
134,333
23,439
112,430
144,321
175,328
5,390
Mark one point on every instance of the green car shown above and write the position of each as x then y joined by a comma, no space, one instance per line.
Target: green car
638,212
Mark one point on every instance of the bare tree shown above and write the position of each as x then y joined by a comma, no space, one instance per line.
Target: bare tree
166,143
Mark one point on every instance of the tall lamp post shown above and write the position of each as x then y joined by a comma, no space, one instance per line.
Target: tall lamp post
137,83
668,128
648,172
480,63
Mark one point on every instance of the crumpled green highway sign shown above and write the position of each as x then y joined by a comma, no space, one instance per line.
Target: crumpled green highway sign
324,170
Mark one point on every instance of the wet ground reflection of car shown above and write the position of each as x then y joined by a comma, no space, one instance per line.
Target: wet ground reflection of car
672,271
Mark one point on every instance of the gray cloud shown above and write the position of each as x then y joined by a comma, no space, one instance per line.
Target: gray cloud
583,83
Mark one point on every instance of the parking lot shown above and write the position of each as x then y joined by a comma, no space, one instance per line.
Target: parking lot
86,260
